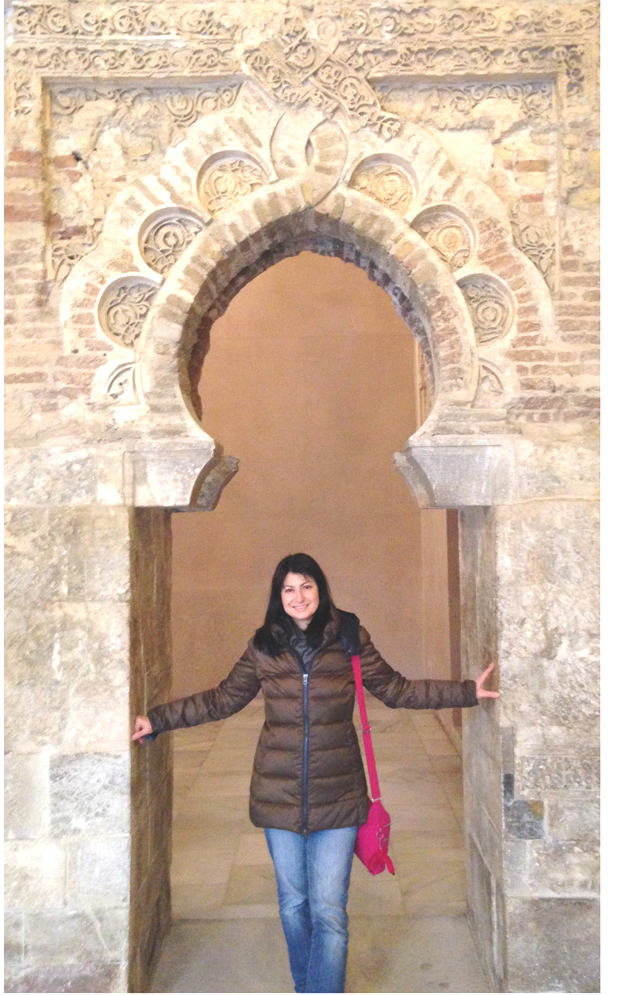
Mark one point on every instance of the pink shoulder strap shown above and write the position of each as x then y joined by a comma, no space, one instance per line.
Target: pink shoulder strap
366,730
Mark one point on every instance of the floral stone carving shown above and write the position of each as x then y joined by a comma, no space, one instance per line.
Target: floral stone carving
165,236
446,232
387,183
490,305
124,306
224,180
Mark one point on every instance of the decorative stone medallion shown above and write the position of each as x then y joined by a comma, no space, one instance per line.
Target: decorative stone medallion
446,231
490,305
123,308
164,237
385,181
227,177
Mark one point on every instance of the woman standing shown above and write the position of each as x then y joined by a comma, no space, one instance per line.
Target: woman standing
308,788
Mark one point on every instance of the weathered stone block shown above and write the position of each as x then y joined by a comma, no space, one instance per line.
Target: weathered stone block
555,940
34,875
97,561
13,941
535,775
33,557
35,715
552,867
69,978
89,793
65,937
26,777
573,815
98,872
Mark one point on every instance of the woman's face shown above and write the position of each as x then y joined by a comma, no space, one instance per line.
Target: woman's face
300,598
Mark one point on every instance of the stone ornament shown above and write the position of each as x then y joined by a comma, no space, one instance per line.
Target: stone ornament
385,181
446,231
227,177
123,308
121,385
297,69
538,241
491,306
490,379
462,105
182,104
164,237
65,253
190,17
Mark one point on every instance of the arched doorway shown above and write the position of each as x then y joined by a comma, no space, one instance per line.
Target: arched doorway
312,379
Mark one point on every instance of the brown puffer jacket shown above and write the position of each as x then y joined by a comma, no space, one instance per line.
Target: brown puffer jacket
308,773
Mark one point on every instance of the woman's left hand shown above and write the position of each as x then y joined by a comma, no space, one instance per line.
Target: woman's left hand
481,693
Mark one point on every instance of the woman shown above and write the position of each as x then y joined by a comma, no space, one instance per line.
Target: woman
308,788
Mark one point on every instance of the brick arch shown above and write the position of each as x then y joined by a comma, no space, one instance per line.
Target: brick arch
238,247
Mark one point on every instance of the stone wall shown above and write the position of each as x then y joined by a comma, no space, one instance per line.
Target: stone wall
146,182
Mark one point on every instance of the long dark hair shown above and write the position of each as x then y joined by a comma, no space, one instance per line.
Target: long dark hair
296,563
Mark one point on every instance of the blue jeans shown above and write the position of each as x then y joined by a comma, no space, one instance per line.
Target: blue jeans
312,885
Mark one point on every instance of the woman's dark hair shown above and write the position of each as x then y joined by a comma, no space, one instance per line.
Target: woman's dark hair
296,563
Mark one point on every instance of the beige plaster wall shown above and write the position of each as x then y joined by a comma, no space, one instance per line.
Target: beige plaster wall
310,382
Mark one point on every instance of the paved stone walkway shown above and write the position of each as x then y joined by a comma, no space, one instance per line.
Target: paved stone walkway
409,933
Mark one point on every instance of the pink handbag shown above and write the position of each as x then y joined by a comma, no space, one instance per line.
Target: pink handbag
371,842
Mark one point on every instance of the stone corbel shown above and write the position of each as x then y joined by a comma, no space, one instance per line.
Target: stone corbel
189,479
449,472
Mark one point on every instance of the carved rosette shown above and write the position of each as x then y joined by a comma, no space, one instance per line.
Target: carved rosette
226,178
124,306
165,236
491,307
447,232
387,182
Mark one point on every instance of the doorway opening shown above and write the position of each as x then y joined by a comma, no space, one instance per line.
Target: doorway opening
313,380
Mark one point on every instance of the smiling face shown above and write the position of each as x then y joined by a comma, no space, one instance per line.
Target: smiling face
300,598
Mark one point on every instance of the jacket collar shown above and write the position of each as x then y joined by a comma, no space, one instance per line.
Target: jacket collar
330,633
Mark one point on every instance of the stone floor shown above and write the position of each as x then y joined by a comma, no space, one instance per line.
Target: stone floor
408,933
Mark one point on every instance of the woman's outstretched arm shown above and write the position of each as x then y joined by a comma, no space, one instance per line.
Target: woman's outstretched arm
398,691
234,692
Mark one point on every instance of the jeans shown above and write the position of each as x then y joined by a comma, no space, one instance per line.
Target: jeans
312,885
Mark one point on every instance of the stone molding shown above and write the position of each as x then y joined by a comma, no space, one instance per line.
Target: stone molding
56,40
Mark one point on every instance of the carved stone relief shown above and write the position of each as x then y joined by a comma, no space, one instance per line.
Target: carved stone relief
125,130
494,58
123,308
164,237
464,105
490,305
182,106
298,69
121,385
490,379
227,177
536,237
446,231
387,182
390,20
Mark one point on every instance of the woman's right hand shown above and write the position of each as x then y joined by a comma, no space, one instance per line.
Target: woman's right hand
142,728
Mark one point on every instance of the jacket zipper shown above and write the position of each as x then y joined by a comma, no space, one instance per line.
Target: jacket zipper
306,743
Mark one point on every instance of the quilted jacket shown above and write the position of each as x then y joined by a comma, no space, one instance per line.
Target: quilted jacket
308,773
